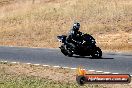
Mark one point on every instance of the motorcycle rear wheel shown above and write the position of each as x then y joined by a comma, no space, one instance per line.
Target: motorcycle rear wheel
97,53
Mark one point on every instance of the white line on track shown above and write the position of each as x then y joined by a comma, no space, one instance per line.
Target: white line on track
46,65
99,71
65,67
56,66
107,72
28,63
73,68
14,62
36,64
5,61
115,73
91,70
83,69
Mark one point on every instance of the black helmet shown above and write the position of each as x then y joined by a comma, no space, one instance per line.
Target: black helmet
76,26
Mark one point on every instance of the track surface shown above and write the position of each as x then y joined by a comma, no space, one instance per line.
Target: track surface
111,62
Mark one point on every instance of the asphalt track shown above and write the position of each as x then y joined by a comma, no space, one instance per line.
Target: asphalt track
110,62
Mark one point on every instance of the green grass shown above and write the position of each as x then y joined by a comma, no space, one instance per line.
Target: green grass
34,82
31,82
14,80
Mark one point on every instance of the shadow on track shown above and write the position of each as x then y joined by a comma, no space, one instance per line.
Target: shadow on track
90,57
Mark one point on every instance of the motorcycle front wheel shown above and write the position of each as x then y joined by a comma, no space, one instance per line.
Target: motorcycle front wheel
66,52
70,53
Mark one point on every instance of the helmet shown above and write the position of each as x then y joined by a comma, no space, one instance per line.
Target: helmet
76,26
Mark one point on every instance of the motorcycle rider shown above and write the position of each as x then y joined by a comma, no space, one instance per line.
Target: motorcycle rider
74,36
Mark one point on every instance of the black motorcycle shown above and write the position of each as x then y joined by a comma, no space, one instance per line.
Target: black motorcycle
86,48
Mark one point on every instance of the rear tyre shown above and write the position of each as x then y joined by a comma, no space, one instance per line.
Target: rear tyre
97,53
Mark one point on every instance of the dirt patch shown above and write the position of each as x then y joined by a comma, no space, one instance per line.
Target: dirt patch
37,25
56,74
116,42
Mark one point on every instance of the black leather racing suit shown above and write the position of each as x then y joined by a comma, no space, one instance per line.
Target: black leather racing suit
75,38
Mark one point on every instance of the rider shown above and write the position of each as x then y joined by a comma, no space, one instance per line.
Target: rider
74,35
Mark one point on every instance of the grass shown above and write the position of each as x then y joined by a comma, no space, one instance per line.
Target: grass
32,82
37,25
21,75
17,79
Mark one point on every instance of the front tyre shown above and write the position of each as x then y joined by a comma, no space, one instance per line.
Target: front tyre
63,50
66,52
97,53
70,53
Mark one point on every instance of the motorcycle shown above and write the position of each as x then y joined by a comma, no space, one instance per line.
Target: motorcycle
86,48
